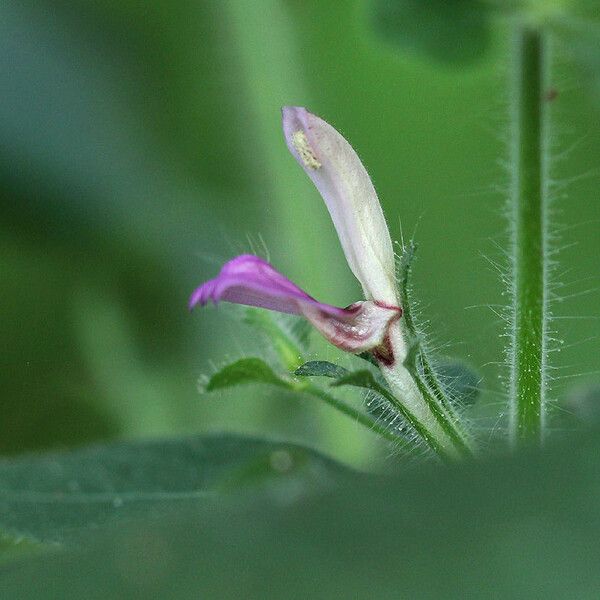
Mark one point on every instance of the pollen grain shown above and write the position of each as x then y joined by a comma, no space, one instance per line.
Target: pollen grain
306,153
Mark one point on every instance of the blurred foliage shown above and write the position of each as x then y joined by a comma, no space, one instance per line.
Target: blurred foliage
62,498
141,147
447,30
519,527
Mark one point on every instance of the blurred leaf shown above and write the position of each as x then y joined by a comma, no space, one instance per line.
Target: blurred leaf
580,38
93,200
451,31
587,9
57,496
17,546
321,368
460,381
524,526
286,333
301,330
584,404
244,371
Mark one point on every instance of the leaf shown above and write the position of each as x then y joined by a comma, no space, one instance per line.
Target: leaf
324,368
12,547
379,407
369,358
287,334
520,526
460,381
363,379
393,412
59,496
321,368
301,330
242,372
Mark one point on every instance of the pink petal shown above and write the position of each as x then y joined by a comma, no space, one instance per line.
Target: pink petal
252,281
343,182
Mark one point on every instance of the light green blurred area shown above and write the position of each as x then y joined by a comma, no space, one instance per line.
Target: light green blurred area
141,148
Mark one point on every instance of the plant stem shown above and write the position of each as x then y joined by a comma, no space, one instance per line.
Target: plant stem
404,386
443,411
354,414
425,377
529,238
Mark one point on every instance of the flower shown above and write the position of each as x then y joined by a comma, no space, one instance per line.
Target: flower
337,172
373,325
251,280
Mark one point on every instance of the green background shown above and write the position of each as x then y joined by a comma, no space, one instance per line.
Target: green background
141,148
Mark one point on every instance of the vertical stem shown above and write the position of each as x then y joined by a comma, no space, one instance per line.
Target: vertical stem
529,268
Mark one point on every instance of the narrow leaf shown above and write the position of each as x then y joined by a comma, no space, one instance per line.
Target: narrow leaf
321,368
369,358
460,381
287,334
363,379
242,372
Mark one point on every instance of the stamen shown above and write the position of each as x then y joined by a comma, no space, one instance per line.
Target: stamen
306,153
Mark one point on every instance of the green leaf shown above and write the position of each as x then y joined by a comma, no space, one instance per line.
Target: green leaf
460,381
242,372
18,546
369,358
383,412
287,334
419,363
321,368
363,379
432,534
378,400
450,31
301,331
59,496
366,379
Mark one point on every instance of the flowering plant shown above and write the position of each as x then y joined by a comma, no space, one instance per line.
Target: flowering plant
375,326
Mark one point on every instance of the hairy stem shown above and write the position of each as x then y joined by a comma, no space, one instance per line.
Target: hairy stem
421,369
354,414
440,406
529,236
407,396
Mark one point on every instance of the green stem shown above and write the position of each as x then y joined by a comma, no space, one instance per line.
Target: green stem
529,268
354,414
429,437
440,406
426,378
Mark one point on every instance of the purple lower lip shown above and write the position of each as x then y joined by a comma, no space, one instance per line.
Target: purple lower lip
252,281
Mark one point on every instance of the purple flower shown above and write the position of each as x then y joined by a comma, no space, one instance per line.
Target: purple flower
346,188
252,281
373,325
